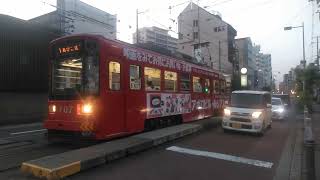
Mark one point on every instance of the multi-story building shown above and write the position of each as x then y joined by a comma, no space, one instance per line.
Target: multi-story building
264,71
74,17
260,71
285,84
267,70
256,56
205,36
156,36
246,58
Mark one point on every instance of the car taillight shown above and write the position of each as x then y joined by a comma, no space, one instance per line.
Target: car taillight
84,109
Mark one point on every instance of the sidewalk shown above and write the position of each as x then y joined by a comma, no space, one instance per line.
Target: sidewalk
316,131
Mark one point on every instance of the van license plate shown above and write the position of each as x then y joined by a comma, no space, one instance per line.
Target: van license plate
236,125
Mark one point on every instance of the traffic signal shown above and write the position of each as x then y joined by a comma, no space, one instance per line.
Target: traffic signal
206,90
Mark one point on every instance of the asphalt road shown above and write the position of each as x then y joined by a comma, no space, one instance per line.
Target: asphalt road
212,154
160,163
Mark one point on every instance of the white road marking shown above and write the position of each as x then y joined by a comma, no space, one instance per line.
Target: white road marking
26,132
221,156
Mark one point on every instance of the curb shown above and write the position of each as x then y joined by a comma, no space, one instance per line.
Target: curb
65,164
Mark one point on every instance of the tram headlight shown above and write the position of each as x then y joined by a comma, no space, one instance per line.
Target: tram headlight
87,109
84,109
227,112
52,108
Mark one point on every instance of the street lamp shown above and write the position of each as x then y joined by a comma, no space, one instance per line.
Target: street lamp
302,26
304,57
244,77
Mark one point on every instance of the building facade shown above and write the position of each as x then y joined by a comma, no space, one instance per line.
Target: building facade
156,36
264,71
74,17
208,38
246,59
24,55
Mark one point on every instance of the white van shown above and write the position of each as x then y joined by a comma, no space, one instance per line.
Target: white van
248,111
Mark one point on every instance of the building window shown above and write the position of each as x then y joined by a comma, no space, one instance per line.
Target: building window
135,77
195,23
185,82
219,28
180,36
152,79
170,81
195,35
114,75
196,84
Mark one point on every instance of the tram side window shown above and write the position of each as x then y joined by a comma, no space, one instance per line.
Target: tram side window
207,86
216,87
222,83
135,77
185,82
196,84
170,81
114,75
152,79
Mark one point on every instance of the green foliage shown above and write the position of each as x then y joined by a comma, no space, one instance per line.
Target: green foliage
311,77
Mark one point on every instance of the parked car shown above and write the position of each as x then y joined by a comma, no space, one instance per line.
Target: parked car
278,109
248,111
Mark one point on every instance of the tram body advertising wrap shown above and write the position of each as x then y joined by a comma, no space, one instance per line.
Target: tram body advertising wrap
101,89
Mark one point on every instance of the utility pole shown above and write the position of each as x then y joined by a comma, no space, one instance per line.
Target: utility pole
219,55
318,52
199,24
137,26
304,54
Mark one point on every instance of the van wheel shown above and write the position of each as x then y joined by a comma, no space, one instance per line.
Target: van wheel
261,133
270,126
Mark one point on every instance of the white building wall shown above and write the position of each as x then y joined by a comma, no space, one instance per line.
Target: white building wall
207,23
157,36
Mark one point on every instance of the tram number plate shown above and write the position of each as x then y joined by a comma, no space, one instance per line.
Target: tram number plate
236,125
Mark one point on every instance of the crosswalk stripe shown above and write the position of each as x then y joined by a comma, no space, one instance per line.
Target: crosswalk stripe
221,156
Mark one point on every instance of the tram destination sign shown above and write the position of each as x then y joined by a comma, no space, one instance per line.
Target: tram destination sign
67,48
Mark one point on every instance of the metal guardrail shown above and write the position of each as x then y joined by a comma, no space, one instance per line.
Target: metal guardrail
309,146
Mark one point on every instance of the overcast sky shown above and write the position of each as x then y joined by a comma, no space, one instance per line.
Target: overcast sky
262,20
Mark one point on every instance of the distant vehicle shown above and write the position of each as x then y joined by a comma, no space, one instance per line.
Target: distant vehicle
102,89
249,111
285,99
278,109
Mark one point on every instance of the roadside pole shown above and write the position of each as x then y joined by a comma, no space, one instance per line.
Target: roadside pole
309,170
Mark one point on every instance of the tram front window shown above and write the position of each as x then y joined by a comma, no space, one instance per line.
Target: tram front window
75,75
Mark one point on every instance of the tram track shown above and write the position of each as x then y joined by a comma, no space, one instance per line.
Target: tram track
15,149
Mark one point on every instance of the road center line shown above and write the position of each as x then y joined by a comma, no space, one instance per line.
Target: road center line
26,132
221,156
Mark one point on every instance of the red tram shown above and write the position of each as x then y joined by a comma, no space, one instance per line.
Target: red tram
101,89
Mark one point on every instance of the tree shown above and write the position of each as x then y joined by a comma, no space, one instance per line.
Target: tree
311,77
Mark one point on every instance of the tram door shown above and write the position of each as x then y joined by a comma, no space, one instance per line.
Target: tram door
115,99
